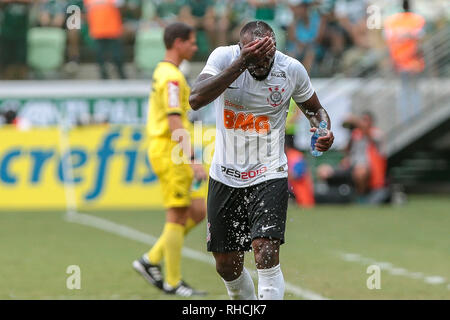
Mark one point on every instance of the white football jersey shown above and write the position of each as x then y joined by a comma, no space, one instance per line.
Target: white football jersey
251,119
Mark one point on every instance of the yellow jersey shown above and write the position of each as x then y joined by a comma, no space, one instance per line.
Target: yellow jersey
170,95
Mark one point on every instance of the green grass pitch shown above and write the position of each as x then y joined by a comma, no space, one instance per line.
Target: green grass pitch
327,252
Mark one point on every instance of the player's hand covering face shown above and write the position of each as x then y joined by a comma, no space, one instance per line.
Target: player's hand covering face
258,56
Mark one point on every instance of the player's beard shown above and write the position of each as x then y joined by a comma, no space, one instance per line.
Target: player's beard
261,77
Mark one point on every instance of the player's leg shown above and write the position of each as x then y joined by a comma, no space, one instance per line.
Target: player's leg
197,210
270,278
196,214
361,175
237,279
228,236
172,244
175,181
268,215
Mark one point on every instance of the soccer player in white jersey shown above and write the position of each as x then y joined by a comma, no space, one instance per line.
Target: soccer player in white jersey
251,85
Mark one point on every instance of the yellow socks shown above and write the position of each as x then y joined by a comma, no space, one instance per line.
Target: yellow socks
173,244
155,255
189,225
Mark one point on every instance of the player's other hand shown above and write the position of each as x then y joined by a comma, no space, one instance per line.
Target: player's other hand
257,50
324,143
199,172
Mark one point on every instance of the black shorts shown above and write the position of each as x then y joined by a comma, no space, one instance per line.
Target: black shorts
236,216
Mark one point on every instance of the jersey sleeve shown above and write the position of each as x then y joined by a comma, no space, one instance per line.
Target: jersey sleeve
171,96
217,61
303,87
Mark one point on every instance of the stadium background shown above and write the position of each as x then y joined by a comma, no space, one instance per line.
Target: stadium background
76,187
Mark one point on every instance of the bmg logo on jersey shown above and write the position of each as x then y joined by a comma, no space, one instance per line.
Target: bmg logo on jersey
248,142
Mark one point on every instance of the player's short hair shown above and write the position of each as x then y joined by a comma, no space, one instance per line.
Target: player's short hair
176,30
257,29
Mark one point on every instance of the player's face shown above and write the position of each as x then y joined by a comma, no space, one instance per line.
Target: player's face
260,70
189,47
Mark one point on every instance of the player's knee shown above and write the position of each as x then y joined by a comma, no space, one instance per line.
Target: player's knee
227,267
266,252
198,211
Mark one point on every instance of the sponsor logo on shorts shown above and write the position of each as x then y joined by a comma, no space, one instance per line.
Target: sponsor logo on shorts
243,175
265,228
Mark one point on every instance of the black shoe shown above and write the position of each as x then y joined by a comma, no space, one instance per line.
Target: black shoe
183,290
151,272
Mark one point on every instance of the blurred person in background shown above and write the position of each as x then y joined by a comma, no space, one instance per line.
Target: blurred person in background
14,15
352,18
404,32
303,34
168,127
52,13
299,177
365,163
73,37
106,28
201,15
351,15
131,16
332,38
264,10
167,11
237,14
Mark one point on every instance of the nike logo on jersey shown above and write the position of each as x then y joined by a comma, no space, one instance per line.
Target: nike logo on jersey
264,229
230,87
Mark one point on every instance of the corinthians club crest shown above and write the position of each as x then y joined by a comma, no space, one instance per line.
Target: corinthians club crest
275,98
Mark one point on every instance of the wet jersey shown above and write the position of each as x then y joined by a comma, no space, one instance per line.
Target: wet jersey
251,119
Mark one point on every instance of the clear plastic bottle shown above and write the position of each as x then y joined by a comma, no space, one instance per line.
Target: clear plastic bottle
196,184
320,132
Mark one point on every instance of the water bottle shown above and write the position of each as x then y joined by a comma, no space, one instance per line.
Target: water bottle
320,132
196,184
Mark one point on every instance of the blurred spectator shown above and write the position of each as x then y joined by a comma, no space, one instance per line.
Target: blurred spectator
201,15
351,15
303,33
365,164
236,15
131,14
167,11
73,38
299,177
52,13
106,28
331,36
264,9
404,32
14,16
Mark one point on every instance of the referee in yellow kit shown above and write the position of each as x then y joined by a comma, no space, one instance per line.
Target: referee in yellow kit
168,126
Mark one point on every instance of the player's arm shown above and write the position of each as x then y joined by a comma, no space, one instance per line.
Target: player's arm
181,135
172,105
315,113
208,87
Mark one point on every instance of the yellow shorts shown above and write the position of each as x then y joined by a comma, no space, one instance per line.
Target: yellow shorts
176,182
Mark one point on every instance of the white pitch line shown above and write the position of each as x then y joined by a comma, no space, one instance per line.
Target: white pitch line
393,270
133,234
